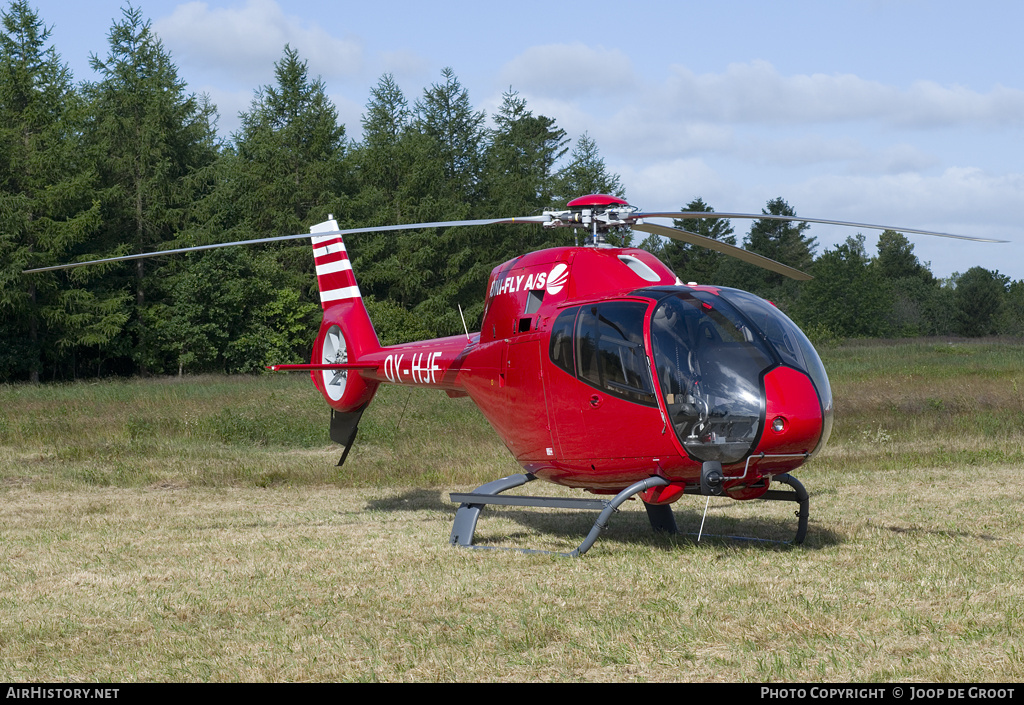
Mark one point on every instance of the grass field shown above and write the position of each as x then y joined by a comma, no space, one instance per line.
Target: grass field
196,530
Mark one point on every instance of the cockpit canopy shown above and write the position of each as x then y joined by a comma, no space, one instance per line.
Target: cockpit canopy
710,352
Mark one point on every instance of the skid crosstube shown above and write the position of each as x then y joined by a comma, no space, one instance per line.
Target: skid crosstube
471,504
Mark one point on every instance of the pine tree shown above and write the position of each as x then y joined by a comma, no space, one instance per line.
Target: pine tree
435,271
396,170
288,169
521,157
152,143
47,207
782,241
694,263
586,173
519,176
977,300
908,283
383,160
456,141
291,155
896,258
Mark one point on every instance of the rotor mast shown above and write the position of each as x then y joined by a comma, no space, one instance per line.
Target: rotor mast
598,213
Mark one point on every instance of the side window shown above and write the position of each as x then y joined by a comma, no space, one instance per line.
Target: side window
586,346
561,340
610,350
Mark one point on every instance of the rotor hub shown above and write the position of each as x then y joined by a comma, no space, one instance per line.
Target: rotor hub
598,213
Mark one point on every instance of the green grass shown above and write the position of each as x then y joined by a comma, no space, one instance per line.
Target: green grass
234,431
198,530
946,404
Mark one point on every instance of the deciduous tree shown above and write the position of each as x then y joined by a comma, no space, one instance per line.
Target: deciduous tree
845,298
977,299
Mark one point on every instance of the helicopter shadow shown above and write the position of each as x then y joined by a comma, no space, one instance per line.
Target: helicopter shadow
627,527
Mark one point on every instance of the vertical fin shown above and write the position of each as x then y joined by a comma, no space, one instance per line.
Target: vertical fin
344,426
333,268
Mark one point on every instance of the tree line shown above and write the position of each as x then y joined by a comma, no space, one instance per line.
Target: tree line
131,162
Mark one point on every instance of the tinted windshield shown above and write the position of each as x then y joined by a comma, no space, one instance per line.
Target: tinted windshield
790,343
709,363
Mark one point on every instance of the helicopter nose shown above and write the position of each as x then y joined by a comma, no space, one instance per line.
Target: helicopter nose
793,418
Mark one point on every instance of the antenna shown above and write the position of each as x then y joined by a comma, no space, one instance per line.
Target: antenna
464,326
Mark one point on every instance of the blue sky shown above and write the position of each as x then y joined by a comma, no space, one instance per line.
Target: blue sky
900,112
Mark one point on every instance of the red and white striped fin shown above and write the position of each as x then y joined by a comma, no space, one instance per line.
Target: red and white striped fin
333,269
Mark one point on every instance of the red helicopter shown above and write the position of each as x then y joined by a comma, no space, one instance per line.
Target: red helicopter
599,368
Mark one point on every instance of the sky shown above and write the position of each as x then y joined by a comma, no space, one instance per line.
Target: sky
907,113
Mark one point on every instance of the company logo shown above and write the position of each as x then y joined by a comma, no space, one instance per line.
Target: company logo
557,278
554,281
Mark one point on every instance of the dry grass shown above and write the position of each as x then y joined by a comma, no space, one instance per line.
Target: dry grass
190,569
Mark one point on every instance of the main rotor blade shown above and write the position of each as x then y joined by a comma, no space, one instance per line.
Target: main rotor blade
280,238
723,247
688,215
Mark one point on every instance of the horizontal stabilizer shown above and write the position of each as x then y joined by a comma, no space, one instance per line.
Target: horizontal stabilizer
325,366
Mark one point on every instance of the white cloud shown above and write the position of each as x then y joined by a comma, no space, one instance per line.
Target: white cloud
671,184
756,92
751,113
802,150
246,41
844,153
570,70
645,132
894,159
954,197
928,104
405,64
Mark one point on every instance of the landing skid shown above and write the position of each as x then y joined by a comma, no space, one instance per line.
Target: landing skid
661,517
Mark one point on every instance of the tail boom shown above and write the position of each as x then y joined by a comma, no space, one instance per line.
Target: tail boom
435,364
